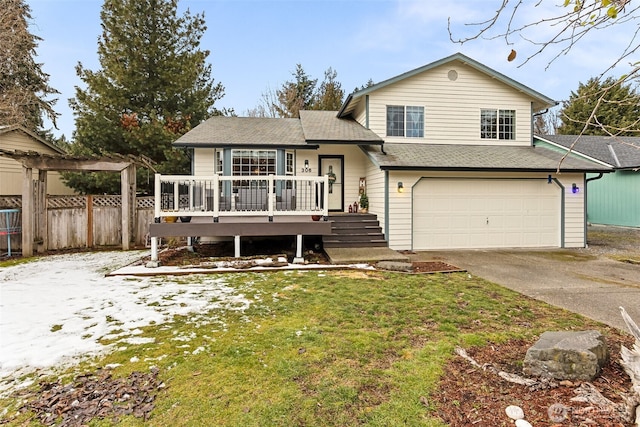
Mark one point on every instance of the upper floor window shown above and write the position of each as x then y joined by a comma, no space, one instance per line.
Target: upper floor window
498,124
405,121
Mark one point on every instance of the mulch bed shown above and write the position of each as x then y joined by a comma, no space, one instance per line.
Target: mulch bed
95,396
206,253
469,396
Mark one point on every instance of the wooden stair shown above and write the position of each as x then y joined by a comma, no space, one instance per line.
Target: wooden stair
354,231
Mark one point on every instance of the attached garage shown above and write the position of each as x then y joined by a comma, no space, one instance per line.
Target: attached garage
458,213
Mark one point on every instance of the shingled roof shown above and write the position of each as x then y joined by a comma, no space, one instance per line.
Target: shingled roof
221,131
325,126
621,152
476,158
312,128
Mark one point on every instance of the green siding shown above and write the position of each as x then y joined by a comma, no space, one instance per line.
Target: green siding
614,199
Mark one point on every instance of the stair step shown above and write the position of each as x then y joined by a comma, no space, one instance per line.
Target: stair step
376,244
353,217
354,230
348,225
356,237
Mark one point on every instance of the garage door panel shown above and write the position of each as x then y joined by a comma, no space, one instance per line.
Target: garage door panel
485,213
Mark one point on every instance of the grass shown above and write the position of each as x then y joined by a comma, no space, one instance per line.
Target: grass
330,348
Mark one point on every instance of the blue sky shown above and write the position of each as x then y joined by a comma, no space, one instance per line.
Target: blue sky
256,44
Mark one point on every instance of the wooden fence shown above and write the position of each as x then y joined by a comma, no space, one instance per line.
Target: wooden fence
69,219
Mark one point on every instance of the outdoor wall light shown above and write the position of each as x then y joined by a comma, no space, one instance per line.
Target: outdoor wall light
574,188
400,187
306,167
549,179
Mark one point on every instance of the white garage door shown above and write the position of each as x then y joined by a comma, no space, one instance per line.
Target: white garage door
485,213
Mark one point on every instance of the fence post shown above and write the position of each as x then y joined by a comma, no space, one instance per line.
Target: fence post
27,212
41,212
89,221
126,207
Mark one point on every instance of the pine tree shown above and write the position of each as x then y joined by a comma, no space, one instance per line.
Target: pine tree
617,113
330,94
153,86
296,95
24,87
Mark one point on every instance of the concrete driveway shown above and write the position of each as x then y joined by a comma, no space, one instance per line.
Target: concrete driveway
592,281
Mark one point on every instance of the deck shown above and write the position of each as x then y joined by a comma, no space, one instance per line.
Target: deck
229,226
236,206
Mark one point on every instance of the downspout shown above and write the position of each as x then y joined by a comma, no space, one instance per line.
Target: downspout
533,122
386,205
586,194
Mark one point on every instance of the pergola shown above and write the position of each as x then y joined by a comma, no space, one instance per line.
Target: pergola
31,199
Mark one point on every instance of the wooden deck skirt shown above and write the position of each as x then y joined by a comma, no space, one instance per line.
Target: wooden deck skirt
241,226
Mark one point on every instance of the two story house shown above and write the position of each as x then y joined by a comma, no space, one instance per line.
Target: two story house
444,153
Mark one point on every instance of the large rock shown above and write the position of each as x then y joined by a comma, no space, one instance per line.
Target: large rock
567,355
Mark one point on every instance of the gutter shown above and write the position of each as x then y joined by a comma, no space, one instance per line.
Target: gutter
600,175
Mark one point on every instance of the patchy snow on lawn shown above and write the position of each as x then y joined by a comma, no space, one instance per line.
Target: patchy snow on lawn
55,310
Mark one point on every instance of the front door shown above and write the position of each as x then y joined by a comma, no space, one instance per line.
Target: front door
333,166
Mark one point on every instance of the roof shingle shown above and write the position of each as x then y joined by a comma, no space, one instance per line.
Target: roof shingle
476,157
225,131
620,151
325,126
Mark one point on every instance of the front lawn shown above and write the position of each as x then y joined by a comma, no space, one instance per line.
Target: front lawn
329,348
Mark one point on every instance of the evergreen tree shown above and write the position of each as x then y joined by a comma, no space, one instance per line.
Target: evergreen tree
24,87
154,85
617,113
330,94
296,95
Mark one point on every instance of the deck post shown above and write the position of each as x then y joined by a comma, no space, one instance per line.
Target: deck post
154,249
236,246
298,259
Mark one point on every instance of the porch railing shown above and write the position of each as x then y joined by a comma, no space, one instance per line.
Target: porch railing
218,195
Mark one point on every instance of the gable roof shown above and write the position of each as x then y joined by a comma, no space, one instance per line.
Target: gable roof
620,152
311,128
540,101
221,131
398,156
326,127
33,135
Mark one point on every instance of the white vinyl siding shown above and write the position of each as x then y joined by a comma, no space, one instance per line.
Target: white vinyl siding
451,107
203,162
574,211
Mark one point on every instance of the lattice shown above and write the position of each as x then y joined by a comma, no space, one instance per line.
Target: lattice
107,201
145,202
10,202
61,202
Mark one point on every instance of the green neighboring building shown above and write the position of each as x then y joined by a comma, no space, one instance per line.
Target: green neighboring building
612,198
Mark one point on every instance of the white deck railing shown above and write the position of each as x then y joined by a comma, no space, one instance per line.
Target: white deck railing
218,195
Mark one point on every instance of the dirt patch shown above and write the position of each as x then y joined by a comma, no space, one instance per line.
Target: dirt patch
432,267
469,396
